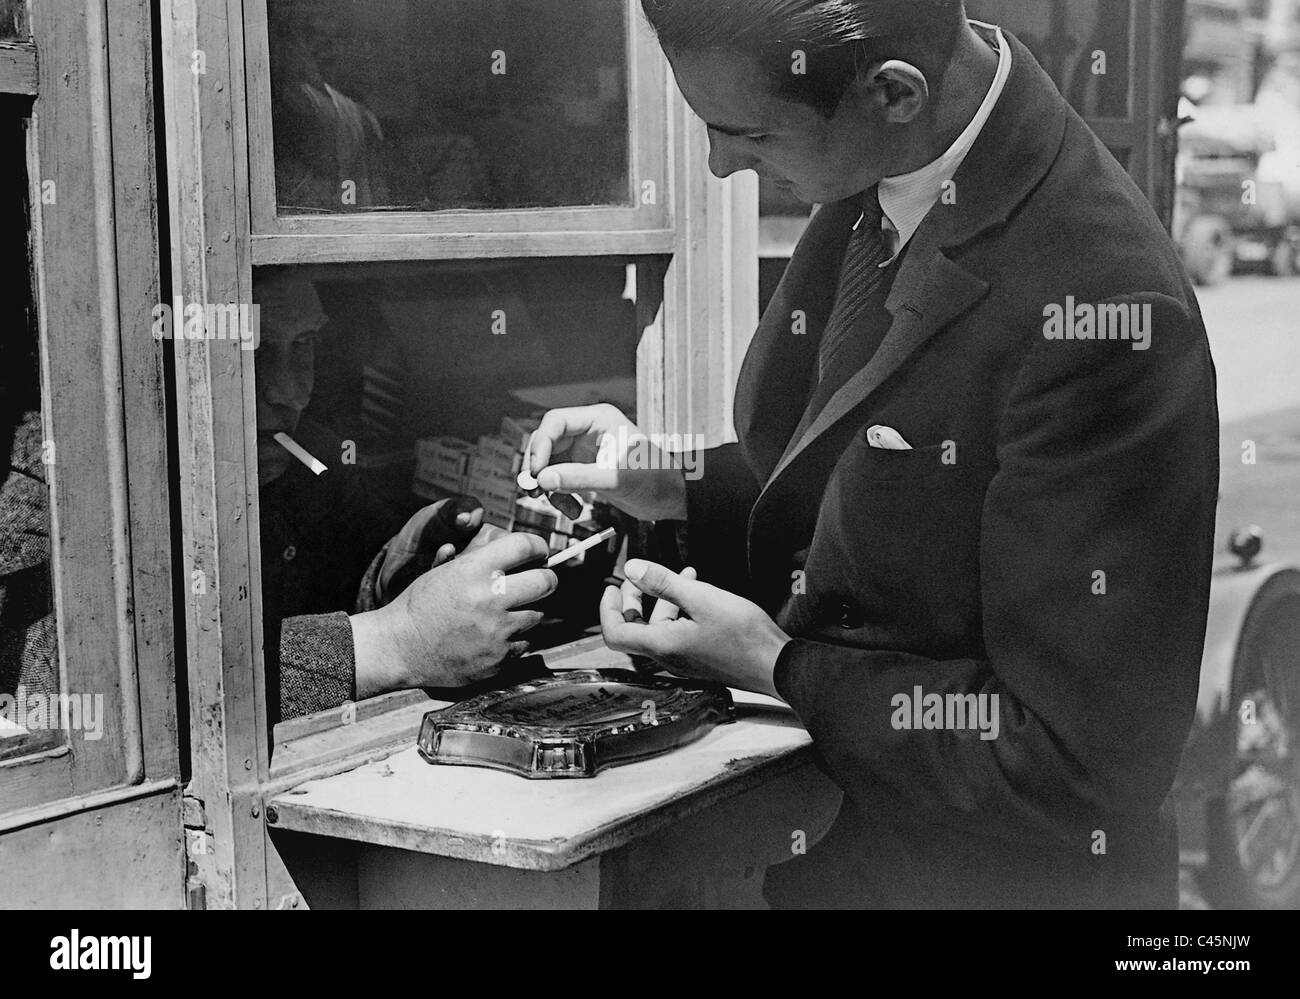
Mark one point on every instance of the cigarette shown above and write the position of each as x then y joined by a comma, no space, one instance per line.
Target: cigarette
573,551
299,452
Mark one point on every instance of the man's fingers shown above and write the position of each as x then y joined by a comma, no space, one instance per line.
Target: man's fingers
512,551
521,621
444,555
631,601
528,587
451,519
573,477
633,638
619,634
558,429
666,610
657,581
485,535
471,521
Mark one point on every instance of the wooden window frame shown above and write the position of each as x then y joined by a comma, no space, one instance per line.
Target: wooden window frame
1127,134
94,252
469,234
697,291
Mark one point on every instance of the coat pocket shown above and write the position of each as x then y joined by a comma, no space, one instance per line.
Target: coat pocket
898,543
916,463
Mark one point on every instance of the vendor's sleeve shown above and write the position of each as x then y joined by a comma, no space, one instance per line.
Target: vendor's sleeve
317,664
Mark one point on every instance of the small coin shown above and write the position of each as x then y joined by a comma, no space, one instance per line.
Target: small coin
527,483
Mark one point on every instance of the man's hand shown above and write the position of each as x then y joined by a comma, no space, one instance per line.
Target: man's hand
696,630
457,623
590,446
430,538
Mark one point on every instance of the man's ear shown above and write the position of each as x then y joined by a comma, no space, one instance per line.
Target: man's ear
897,90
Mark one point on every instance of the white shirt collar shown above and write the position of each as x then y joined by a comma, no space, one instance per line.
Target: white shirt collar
908,198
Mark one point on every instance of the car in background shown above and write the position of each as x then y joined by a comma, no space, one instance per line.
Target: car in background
1238,200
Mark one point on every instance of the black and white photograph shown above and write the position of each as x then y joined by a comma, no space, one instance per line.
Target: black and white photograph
567,455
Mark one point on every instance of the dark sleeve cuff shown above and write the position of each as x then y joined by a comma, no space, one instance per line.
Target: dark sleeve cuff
718,504
787,674
318,668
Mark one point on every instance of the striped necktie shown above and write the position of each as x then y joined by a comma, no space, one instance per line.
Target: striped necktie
861,278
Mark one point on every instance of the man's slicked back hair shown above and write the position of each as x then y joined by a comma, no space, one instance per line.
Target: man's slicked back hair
834,38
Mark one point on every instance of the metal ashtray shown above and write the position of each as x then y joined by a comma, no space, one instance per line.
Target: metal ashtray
573,724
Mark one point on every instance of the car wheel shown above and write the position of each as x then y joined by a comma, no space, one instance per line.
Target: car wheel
1208,250
1283,262
1253,829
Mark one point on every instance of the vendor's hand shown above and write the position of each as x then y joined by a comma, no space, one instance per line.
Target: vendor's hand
575,450
487,534
696,630
456,624
430,538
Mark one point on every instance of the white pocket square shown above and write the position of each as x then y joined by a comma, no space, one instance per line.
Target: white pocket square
887,439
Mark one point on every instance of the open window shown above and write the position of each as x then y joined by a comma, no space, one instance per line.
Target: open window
29,651
415,382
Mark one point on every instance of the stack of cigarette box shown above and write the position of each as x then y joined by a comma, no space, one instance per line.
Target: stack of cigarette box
488,471
441,464
517,431
537,516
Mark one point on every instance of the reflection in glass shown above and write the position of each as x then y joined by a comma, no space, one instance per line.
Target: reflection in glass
460,104
13,19
29,674
1066,37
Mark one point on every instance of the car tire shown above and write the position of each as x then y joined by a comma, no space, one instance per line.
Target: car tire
1208,251
1285,261
1253,827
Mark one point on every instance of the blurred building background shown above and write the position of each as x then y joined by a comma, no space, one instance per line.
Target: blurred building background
1234,46
1238,225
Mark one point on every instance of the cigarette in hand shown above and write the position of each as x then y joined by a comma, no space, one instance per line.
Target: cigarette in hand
573,551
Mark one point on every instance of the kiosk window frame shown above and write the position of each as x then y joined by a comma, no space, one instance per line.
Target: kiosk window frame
696,286
645,226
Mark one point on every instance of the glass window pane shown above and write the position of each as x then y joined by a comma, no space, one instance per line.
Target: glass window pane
29,663
1071,38
13,19
460,104
394,376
